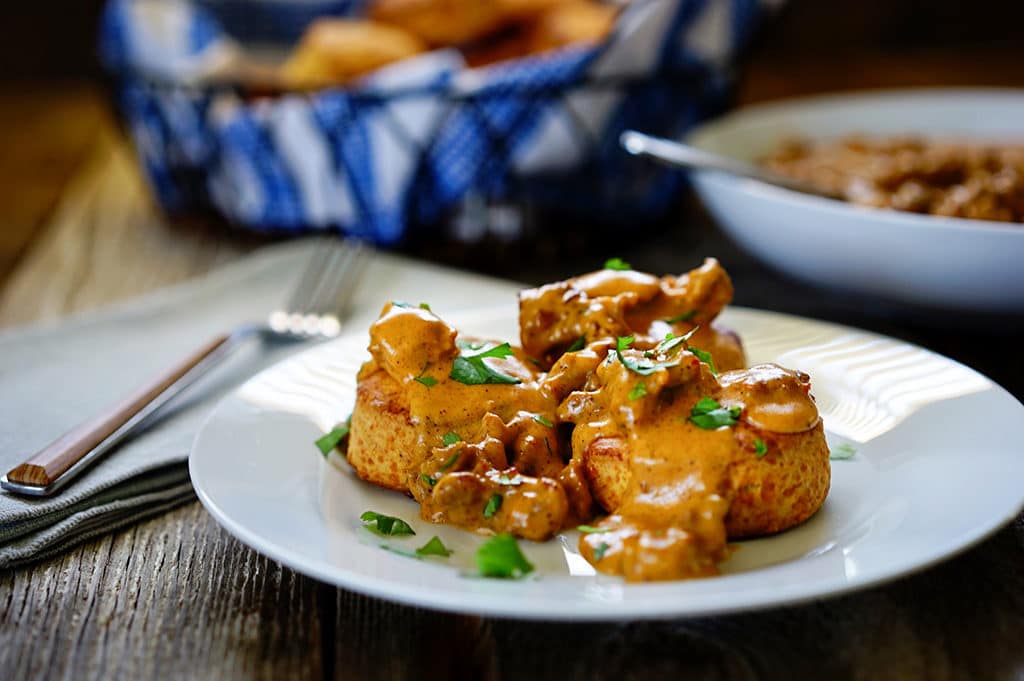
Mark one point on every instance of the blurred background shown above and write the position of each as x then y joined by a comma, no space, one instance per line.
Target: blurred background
57,115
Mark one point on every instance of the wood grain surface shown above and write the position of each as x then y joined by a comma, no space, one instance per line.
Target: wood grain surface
175,597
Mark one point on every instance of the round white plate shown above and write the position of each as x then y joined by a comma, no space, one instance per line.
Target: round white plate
936,262
939,465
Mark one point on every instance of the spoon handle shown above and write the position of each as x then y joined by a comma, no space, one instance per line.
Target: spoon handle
677,154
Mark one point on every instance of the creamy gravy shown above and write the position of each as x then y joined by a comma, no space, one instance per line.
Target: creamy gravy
513,469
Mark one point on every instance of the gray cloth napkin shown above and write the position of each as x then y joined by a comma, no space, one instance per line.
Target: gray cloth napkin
54,376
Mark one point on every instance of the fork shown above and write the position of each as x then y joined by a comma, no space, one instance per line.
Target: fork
313,312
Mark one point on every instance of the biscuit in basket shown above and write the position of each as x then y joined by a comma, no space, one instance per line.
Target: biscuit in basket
442,22
570,23
336,51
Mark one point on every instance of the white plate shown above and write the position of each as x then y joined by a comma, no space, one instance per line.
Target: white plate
938,262
939,466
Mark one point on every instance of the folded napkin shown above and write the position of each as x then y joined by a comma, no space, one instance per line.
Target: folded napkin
54,376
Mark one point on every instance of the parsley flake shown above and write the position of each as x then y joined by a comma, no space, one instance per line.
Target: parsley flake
705,357
428,381
539,418
400,551
600,550
760,448
638,391
472,370
617,264
843,452
449,463
644,367
710,415
672,341
385,525
334,438
590,529
577,345
424,306
427,479
493,505
685,317
450,438
500,557
434,547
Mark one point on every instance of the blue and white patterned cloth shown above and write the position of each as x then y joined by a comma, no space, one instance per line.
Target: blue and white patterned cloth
415,139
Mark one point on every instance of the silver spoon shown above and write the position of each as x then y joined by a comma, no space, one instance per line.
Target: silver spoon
679,155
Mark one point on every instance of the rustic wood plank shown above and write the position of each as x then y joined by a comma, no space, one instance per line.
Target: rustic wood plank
107,241
46,132
171,598
376,640
175,596
959,621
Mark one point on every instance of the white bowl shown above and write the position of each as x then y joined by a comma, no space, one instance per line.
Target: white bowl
937,262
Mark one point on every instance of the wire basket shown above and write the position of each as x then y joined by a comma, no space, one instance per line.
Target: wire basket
413,142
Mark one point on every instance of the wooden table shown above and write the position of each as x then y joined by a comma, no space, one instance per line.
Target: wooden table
177,597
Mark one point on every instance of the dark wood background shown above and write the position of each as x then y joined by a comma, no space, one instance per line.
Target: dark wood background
57,40
176,597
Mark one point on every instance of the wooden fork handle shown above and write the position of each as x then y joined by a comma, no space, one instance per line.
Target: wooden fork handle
97,435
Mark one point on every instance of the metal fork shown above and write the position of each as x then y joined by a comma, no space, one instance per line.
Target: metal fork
314,311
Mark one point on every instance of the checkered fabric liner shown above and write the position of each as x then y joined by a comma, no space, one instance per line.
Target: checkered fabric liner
411,141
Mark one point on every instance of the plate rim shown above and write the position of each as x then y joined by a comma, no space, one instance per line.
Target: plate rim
499,605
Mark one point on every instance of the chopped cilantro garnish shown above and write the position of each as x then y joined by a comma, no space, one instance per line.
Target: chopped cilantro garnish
617,264
424,306
577,345
493,505
434,547
685,317
401,551
449,463
385,525
334,438
709,414
671,341
427,479
428,381
705,357
590,529
450,438
600,550
500,557
760,448
644,367
543,421
472,370
638,391
843,452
